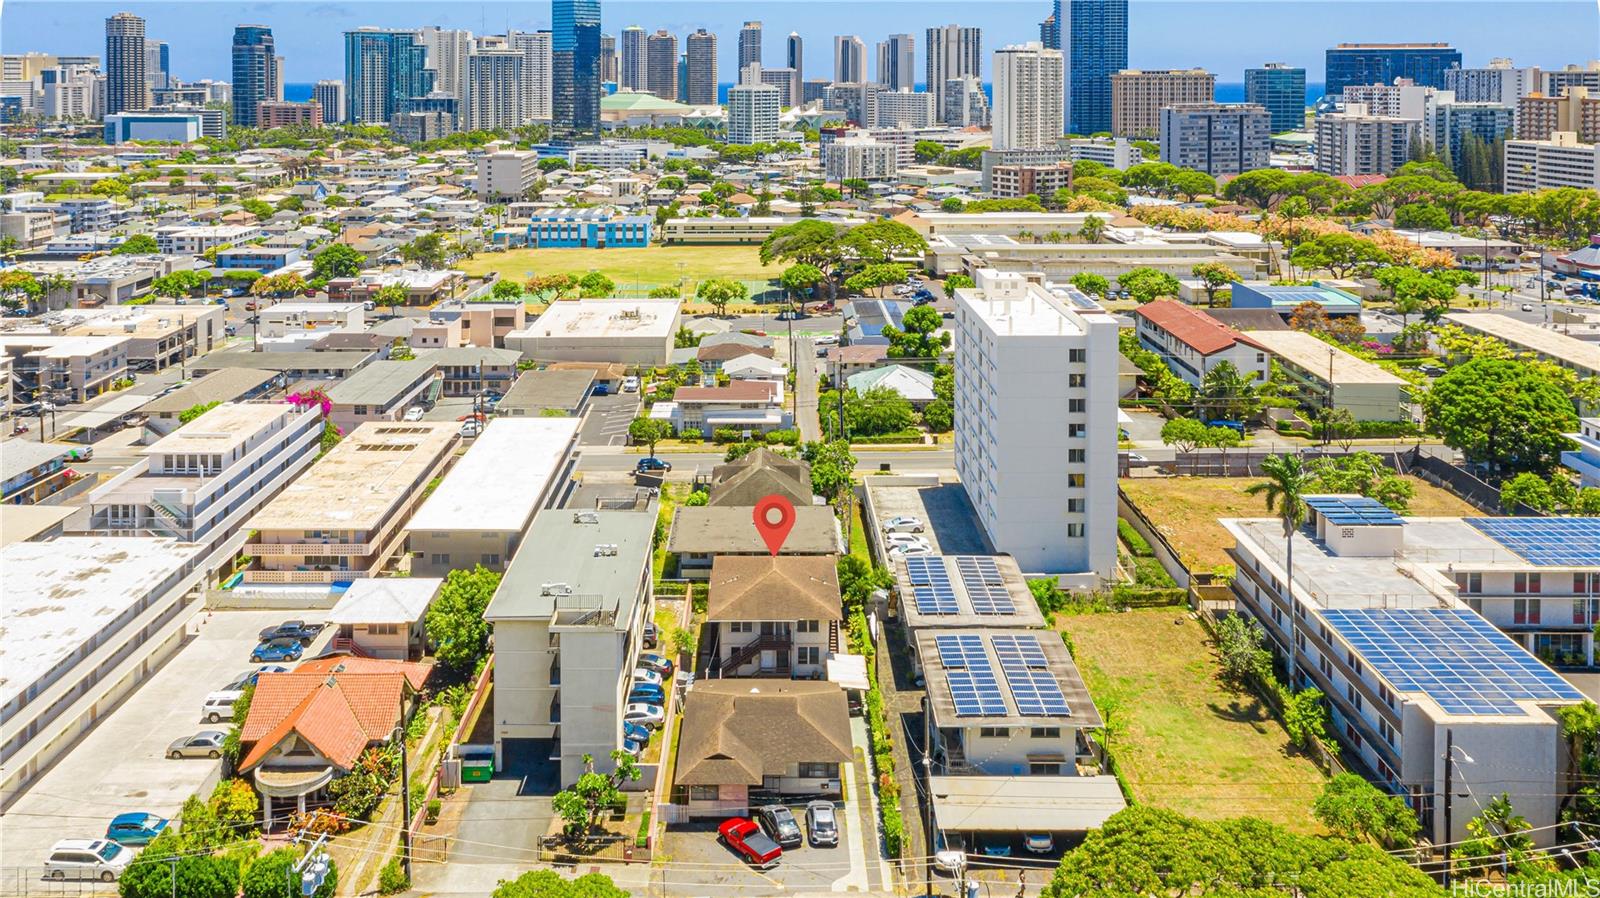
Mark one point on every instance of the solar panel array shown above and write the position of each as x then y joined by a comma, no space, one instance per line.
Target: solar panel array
1345,510
1568,542
931,589
1033,687
985,587
974,689
1451,655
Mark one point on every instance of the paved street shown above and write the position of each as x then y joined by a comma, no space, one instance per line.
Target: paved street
617,459
606,423
805,389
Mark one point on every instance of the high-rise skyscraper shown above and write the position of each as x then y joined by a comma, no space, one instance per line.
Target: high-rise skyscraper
661,49
255,72
447,56
700,53
575,64
1360,64
1281,90
849,59
753,107
953,52
796,56
383,70
749,46
635,65
494,90
1050,32
1138,96
126,89
537,60
608,58
897,62
157,64
1094,45
330,96
1027,97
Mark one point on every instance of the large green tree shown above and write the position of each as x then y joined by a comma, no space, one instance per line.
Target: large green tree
593,794
154,874
1501,412
138,244
1354,809
455,619
719,292
339,260
649,431
550,884
1147,284
271,876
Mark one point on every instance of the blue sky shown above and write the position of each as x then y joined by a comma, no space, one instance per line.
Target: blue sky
1224,37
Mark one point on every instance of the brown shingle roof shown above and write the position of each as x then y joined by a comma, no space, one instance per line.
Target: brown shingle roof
722,352
737,391
731,530
767,587
759,474
735,732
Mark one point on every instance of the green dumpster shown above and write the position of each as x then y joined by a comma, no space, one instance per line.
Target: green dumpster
477,763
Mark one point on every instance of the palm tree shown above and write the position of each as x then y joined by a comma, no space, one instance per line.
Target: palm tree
1284,490
1093,227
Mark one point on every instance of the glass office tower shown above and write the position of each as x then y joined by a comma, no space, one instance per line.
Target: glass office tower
1093,39
575,46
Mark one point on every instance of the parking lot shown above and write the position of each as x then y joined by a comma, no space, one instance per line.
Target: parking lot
121,765
607,421
949,523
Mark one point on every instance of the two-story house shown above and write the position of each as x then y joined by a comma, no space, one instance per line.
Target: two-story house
1192,343
701,534
772,616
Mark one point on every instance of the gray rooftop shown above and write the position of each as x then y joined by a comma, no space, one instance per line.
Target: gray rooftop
20,456
380,382
535,391
283,361
731,530
224,385
599,558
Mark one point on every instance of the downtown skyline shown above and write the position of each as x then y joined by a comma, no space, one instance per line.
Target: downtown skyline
1163,34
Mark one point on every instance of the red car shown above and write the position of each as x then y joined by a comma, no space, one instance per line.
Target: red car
745,837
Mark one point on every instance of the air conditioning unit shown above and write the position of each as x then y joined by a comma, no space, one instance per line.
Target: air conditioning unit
585,517
605,549
555,589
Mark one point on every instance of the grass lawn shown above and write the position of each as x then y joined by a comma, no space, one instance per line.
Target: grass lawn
1187,743
635,270
1186,509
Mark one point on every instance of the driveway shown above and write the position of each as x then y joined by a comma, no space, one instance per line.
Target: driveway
951,524
506,817
607,422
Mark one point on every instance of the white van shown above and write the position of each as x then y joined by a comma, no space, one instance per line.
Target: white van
100,859
218,706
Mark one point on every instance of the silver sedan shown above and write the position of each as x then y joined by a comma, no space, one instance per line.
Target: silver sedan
204,744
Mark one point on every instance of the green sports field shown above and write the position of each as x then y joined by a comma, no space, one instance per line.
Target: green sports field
634,271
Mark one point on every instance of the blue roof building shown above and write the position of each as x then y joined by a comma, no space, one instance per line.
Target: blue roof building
1284,299
591,228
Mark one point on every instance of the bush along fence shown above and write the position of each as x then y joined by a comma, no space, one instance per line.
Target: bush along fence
891,823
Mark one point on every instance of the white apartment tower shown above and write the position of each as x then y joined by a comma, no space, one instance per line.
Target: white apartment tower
330,96
635,67
494,90
897,62
1356,142
849,59
1028,108
753,108
1036,422
953,52
537,84
447,56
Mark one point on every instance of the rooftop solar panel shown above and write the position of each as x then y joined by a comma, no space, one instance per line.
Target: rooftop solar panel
931,590
1033,688
1563,542
1343,510
1453,656
974,689
980,575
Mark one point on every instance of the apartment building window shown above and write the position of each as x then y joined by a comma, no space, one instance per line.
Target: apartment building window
490,559
1075,380
807,626
1582,583
1075,531
994,733
1525,611
703,793
1353,737
361,410
741,626
1469,583
1585,611
1352,696
1324,633
1075,406
1076,456
1040,768
808,654
1077,355
1045,733
1387,694
1530,583
818,770
1075,506
1386,730
440,558
1077,431
1326,666
383,629
1075,481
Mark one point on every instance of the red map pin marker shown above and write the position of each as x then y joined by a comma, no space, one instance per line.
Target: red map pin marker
774,517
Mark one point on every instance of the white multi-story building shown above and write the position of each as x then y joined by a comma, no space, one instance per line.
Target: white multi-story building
447,55
201,481
753,108
965,105
1216,138
1036,422
329,94
1027,97
1193,343
1356,142
1561,161
953,52
860,156
1402,99
537,86
494,90
1499,82
1585,460
67,92
901,109
635,66
507,174
1117,152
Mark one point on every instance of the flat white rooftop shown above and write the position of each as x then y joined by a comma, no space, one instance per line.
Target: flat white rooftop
1569,351
606,318
1315,356
357,484
1033,313
58,594
221,428
498,483
385,600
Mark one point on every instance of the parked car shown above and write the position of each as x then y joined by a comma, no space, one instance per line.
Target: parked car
907,540
1039,843
648,693
204,744
951,853
821,824
630,384
646,676
903,524
249,677
902,550
779,823
661,664
285,648
995,845
652,465
470,429
218,706
1527,307
100,859
644,715
635,732
1431,370
748,841
137,828
826,340
415,413
292,629
650,635
229,330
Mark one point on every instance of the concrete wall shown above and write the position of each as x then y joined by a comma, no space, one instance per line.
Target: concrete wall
435,553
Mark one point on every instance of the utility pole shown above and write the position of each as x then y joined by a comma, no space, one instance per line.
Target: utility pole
1449,749
927,791
1327,420
405,793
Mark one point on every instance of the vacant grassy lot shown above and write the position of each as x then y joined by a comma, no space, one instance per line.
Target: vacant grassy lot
1186,742
634,270
1186,509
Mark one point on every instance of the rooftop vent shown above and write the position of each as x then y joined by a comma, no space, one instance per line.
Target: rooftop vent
585,517
605,549
555,589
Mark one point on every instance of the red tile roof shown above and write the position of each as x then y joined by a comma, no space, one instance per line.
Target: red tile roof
1354,181
339,705
1193,327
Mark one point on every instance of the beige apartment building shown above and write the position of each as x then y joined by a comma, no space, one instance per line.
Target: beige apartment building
1138,96
1539,116
345,517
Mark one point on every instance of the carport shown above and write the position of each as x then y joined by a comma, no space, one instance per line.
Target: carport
1018,804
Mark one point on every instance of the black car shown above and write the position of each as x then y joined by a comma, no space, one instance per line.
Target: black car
292,629
779,823
650,465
